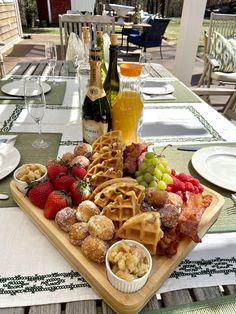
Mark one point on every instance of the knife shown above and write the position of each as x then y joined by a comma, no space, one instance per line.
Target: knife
189,148
12,97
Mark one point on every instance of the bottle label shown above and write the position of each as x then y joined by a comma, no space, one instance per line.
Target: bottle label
92,130
95,92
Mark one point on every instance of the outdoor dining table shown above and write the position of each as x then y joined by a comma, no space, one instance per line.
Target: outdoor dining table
35,277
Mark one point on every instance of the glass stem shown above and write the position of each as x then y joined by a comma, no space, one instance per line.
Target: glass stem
39,127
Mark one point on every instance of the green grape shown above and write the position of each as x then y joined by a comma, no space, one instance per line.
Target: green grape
160,167
143,183
138,173
153,184
168,170
167,178
161,185
154,161
150,169
158,173
142,167
149,155
139,179
148,177
163,161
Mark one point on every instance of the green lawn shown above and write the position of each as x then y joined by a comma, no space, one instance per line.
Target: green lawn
171,34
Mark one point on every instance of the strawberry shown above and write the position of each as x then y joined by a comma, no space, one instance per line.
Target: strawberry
38,194
63,182
56,168
56,201
79,191
78,172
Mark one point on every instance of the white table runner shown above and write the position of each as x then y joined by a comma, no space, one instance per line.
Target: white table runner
32,271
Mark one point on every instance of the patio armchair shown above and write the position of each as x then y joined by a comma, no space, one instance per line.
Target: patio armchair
73,23
151,36
229,108
220,51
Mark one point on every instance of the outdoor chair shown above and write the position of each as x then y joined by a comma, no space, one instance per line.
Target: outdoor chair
220,51
73,23
229,108
126,31
2,68
151,36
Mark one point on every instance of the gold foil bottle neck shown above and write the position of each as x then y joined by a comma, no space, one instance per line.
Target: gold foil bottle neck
114,39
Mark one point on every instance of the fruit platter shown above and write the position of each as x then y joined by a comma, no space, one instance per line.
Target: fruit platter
120,215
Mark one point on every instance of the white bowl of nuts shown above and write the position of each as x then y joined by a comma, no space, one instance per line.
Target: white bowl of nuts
128,265
29,173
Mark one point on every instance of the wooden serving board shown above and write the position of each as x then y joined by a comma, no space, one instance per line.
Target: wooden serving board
95,274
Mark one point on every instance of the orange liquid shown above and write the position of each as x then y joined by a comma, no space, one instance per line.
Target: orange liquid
126,112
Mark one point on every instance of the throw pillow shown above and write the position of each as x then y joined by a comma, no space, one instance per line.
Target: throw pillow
224,51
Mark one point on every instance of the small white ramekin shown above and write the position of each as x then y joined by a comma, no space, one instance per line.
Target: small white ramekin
121,284
22,185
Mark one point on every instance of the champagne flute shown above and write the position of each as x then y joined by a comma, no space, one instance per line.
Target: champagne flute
36,105
51,56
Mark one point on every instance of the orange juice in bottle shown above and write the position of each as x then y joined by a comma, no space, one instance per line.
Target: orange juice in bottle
128,106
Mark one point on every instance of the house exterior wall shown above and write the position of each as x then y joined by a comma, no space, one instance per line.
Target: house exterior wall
9,28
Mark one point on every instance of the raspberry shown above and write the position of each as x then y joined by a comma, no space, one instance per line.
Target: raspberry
194,181
173,172
200,188
181,186
196,190
170,188
182,177
189,187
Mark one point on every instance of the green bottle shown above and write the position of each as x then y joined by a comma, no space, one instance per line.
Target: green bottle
112,81
99,45
96,112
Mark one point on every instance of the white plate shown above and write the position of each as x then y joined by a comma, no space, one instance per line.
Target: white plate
217,165
9,159
157,88
16,88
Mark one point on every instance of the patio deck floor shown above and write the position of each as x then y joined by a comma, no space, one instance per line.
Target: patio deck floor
33,49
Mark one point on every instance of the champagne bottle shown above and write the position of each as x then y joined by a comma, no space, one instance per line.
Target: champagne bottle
99,45
112,81
83,70
96,112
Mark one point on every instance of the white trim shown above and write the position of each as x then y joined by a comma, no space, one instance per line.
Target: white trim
49,11
18,19
190,29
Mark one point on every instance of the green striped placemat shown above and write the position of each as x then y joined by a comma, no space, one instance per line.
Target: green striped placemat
181,161
182,94
222,305
54,97
30,154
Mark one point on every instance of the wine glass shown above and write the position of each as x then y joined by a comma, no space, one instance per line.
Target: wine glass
36,105
51,56
145,61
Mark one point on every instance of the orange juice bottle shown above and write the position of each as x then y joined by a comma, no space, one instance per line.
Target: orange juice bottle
128,106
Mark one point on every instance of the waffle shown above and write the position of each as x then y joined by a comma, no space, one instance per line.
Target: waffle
112,140
113,163
144,228
119,199
122,208
100,157
111,192
107,158
110,182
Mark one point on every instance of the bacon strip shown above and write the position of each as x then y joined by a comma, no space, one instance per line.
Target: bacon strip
191,215
131,156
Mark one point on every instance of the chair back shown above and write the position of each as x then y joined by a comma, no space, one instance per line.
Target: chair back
154,34
2,68
73,23
225,24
